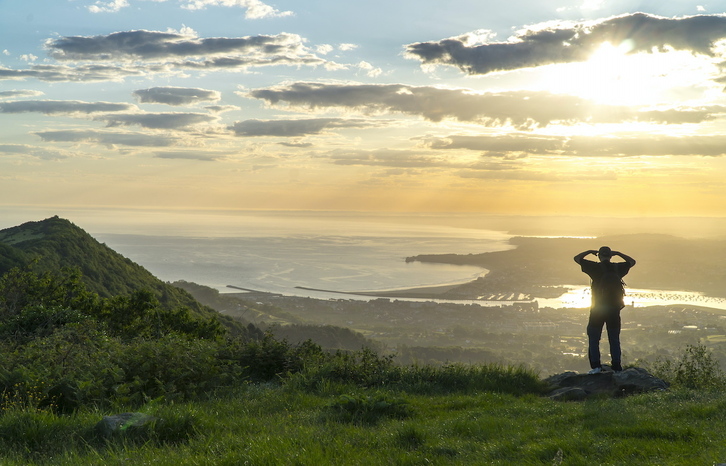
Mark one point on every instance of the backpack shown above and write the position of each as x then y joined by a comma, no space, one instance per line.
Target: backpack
609,288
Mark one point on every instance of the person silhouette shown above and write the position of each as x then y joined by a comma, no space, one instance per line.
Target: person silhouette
607,300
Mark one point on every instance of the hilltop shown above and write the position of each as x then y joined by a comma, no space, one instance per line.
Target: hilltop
55,243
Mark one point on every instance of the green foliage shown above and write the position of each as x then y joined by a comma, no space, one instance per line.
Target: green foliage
65,348
173,367
22,287
696,368
141,315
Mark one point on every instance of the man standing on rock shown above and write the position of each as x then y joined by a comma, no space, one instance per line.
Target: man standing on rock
607,300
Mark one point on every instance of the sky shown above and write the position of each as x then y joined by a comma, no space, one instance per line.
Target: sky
566,107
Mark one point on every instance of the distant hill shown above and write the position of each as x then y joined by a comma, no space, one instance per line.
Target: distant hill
664,262
54,243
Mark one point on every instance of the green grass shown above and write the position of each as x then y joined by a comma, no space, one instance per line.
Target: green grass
278,425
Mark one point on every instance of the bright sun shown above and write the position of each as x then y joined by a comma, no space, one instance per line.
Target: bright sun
614,76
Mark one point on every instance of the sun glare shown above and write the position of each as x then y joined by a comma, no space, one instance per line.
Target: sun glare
612,75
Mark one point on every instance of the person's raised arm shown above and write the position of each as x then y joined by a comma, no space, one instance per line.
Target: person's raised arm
581,256
625,257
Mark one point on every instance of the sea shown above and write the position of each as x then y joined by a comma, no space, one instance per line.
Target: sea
291,253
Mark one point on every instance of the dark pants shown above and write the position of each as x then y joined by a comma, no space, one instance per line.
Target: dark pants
598,318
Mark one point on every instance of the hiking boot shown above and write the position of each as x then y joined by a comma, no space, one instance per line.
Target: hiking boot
596,370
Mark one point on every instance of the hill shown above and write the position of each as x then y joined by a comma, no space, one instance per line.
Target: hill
54,243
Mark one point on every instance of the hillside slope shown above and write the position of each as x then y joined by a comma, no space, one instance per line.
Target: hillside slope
54,243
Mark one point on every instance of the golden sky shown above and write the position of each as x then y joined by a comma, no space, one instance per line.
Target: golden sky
533,108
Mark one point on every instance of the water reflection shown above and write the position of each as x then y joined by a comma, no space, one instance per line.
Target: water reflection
579,297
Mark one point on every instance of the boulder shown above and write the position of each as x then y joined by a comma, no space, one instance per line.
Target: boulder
112,425
576,386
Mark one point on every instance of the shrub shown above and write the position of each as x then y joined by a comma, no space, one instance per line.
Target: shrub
173,367
696,368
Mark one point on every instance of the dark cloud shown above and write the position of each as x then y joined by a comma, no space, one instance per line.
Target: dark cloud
141,53
521,109
156,45
108,138
570,42
54,107
204,156
157,120
19,93
296,128
586,146
232,63
176,95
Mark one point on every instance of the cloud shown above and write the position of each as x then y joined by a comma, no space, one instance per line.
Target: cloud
521,109
205,156
81,73
369,69
38,152
652,145
527,175
396,158
301,145
157,45
568,42
221,108
157,120
176,95
586,146
296,128
54,107
324,49
113,6
19,93
255,8
108,138
525,142
140,53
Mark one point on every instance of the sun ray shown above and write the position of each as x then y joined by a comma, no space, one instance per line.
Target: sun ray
615,76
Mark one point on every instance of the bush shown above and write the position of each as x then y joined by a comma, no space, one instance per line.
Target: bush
173,367
696,368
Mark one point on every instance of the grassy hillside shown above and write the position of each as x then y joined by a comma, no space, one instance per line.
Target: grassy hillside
69,357
55,243
344,424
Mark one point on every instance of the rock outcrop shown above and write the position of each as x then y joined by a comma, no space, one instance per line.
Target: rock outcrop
118,423
575,386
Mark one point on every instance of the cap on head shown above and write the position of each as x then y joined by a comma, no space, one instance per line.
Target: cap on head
605,251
